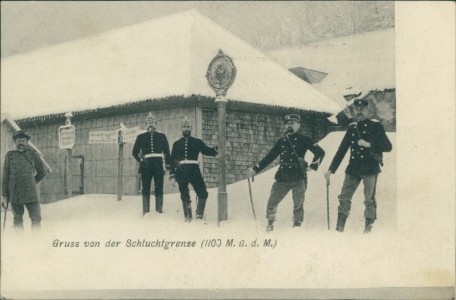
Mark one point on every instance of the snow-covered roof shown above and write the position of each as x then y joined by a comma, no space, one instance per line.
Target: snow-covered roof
158,58
9,127
355,63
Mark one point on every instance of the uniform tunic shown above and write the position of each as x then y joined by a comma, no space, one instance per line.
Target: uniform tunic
21,172
188,149
363,160
289,164
151,167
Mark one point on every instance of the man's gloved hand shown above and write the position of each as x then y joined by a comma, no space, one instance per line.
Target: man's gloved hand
4,202
250,172
172,179
327,176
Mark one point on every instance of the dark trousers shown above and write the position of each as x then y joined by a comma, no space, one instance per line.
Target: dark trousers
152,170
349,187
279,190
191,174
34,211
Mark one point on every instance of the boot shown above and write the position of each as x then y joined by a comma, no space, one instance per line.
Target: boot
270,226
18,227
159,204
368,225
296,224
146,204
200,208
341,218
187,206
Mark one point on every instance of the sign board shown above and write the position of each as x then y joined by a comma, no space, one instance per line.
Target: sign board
67,137
221,73
103,137
130,134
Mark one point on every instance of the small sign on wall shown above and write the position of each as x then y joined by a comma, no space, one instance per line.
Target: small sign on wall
67,137
103,137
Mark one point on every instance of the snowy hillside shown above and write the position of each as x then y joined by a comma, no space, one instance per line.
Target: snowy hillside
306,257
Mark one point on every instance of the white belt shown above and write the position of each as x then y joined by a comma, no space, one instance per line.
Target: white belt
153,155
186,161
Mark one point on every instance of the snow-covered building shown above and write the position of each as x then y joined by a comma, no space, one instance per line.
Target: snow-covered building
347,67
159,66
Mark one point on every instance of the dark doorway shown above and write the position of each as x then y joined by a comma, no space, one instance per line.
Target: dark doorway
77,169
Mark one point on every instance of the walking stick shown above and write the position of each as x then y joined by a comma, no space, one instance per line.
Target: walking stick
251,198
4,218
327,201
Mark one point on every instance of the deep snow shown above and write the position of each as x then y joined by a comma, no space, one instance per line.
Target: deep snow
306,257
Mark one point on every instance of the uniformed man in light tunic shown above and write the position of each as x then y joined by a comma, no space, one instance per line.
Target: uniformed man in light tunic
151,149
185,169
366,140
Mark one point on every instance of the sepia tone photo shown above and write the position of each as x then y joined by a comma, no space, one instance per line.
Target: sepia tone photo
209,150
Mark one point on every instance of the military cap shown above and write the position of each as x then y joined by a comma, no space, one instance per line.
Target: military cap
21,134
150,118
185,121
360,102
294,117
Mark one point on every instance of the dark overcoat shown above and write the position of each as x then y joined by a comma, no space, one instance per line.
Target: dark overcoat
22,170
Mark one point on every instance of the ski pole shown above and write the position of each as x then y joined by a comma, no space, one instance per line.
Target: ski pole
327,201
251,198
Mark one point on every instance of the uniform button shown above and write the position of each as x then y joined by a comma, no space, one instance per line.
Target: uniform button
283,146
353,142
361,148
362,156
289,167
290,159
364,132
353,134
365,125
284,139
353,157
296,139
281,160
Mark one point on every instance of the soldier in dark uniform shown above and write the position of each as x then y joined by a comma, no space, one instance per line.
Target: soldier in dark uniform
366,140
22,170
185,169
150,149
292,173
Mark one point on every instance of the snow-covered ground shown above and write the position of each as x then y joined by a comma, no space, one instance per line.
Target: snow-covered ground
306,257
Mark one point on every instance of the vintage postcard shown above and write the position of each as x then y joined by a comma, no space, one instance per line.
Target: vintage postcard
228,150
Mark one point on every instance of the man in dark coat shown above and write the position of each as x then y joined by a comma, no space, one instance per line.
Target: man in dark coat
292,173
22,170
150,150
185,169
367,140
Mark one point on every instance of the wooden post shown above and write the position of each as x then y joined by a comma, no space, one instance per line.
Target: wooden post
120,167
222,195
69,174
220,76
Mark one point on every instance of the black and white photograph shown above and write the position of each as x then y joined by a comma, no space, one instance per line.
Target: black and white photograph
227,150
